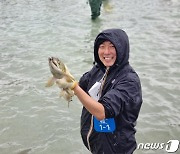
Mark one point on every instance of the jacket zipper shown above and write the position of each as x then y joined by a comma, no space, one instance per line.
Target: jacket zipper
89,133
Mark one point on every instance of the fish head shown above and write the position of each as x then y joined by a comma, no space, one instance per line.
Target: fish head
57,67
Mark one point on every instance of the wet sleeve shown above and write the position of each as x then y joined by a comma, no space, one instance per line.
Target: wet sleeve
125,96
84,80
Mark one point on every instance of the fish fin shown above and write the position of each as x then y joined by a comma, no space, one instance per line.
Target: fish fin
50,82
67,94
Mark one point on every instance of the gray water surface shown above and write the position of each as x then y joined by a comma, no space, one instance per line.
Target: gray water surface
33,119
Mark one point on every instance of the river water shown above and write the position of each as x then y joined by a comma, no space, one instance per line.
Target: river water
33,119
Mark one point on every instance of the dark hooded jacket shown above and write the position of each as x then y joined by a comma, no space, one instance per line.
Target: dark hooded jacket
121,98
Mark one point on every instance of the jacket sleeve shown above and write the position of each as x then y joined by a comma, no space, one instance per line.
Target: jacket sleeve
124,96
84,80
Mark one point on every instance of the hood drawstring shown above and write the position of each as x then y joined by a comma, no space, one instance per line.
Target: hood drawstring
99,93
103,80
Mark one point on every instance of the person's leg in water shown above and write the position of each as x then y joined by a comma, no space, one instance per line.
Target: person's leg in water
95,6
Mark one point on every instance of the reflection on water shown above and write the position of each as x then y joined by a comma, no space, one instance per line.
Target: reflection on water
34,119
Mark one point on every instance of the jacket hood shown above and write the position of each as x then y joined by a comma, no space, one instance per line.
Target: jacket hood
119,39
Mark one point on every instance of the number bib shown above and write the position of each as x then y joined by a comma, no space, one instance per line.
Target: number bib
105,125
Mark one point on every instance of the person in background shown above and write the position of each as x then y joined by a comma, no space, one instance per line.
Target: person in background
111,97
95,6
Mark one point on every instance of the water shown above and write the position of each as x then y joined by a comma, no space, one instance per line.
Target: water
33,119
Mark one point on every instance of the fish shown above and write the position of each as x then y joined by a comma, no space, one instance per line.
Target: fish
60,72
